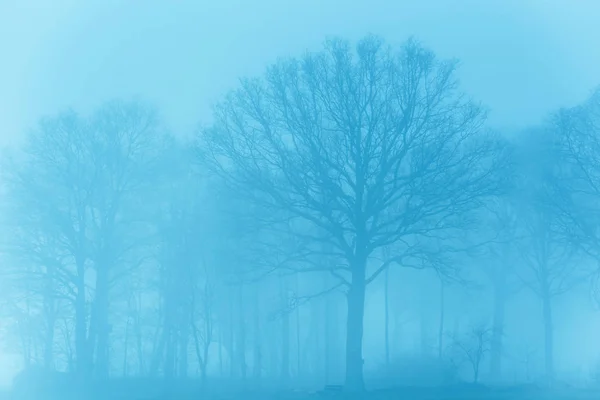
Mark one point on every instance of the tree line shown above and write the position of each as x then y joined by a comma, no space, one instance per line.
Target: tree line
128,251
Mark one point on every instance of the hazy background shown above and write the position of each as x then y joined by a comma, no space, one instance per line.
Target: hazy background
523,59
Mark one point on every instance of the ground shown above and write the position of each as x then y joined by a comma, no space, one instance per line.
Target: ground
458,392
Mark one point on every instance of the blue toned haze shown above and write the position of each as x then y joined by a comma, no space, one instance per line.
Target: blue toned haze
521,58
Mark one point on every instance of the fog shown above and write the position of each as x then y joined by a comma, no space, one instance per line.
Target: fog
285,196
521,58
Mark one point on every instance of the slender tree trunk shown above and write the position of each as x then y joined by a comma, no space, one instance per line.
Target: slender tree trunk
274,338
354,324
25,334
496,350
49,344
314,355
230,339
221,350
169,358
241,339
328,347
548,336
257,364
442,319
424,334
101,306
285,334
386,297
126,348
82,350
158,350
201,353
208,328
184,337
298,337
205,361
396,333
49,306
66,334
139,345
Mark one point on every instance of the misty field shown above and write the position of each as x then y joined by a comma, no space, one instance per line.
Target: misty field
404,394
153,391
349,212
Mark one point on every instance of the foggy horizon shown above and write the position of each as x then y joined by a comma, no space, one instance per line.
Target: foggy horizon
263,195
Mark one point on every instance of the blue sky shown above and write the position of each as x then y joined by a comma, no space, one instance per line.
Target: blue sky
521,58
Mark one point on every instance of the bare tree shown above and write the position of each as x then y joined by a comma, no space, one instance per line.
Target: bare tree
552,271
127,143
499,259
472,348
360,149
576,186
552,263
74,192
203,333
48,195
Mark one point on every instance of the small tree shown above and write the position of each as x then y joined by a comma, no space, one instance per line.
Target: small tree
472,348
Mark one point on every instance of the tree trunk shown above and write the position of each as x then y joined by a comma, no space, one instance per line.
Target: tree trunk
220,351
208,328
126,348
298,337
285,334
273,337
241,338
442,319
230,339
139,343
49,344
314,352
424,334
201,352
67,342
328,348
158,350
184,337
354,325
387,317
548,336
170,352
102,326
49,306
257,364
25,334
82,350
496,350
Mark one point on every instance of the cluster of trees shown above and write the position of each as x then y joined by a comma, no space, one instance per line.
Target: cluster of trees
129,251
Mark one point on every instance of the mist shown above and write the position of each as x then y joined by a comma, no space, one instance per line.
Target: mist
289,199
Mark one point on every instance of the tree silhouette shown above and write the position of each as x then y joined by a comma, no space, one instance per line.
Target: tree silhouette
360,149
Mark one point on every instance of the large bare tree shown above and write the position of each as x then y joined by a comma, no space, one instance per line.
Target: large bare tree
361,148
